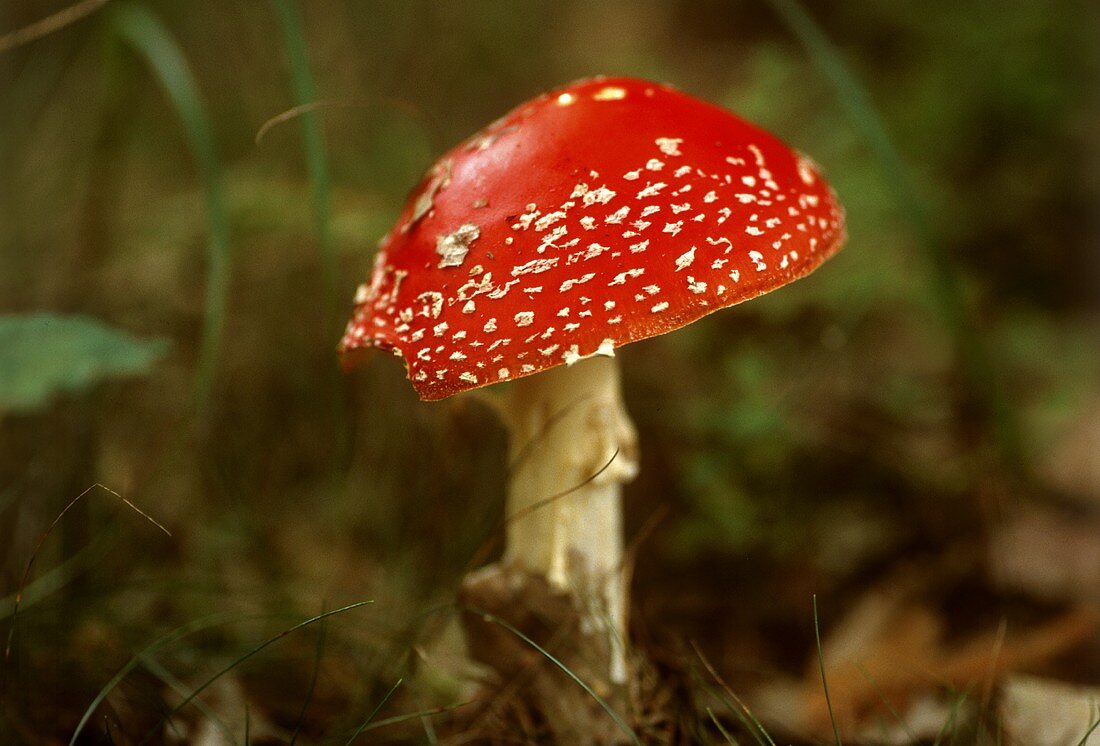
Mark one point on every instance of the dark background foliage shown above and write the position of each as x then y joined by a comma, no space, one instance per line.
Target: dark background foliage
830,438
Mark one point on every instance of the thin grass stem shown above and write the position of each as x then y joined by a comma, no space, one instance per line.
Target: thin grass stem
419,714
824,680
155,667
1095,724
949,724
140,29
889,705
721,729
363,726
749,720
495,533
317,656
313,142
42,540
429,730
49,25
178,633
53,580
974,354
626,729
241,659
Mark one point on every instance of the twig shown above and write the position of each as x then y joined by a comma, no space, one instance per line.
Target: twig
293,113
49,24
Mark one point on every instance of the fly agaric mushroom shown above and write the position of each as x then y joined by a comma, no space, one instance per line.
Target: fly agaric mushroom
593,216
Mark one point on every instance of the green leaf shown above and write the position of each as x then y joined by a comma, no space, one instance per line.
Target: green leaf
43,355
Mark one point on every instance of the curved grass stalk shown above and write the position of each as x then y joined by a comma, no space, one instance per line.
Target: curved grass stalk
721,729
153,666
1095,724
736,705
616,717
824,680
138,28
313,142
241,659
178,633
363,726
210,621
318,654
50,24
18,599
53,580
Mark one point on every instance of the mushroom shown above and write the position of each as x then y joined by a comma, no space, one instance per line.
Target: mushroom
599,214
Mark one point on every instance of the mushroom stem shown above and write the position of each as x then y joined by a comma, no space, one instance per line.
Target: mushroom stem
573,446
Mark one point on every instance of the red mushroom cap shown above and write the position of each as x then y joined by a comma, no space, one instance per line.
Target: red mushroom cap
593,216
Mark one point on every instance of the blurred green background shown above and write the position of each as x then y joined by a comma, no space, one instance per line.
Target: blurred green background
197,281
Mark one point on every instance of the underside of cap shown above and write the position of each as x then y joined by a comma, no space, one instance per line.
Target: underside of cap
596,215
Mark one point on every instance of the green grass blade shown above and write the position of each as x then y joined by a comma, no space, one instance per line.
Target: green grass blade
241,659
626,729
949,724
1085,738
56,578
429,730
17,601
971,348
153,666
824,681
420,714
191,627
735,704
139,29
759,735
889,705
313,141
725,733
312,680
363,726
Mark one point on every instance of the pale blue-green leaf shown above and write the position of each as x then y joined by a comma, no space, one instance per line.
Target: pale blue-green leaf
43,355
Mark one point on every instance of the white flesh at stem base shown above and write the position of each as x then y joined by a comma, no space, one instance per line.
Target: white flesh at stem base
572,448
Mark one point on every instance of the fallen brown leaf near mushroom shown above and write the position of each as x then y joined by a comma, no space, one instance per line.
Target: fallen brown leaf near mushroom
901,668
902,661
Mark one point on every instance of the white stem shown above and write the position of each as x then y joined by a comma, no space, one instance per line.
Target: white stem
573,446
